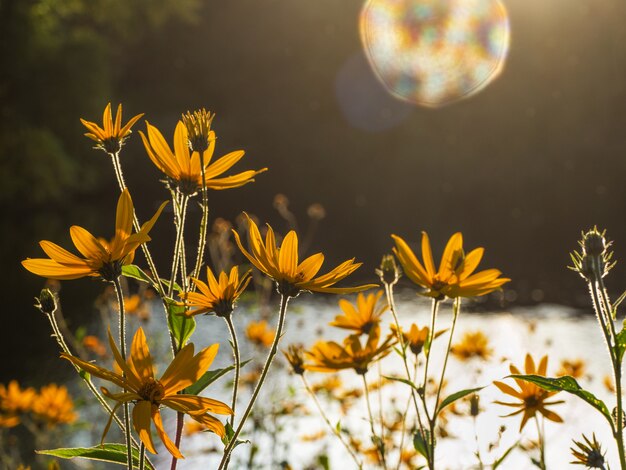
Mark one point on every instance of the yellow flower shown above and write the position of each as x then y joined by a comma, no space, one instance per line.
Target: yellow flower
328,356
472,344
13,402
294,356
111,136
455,276
416,337
53,405
281,264
260,334
149,394
93,344
219,296
104,259
532,398
574,368
184,168
363,317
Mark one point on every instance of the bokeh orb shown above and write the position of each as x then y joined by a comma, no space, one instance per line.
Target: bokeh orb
435,52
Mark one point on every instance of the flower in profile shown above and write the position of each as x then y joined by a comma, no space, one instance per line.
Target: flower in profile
101,258
149,394
455,277
328,356
219,295
259,334
588,453
574,368
111,136
472,344
53,405
416,337
13,402
183,166
295,357
282,264
360,317
532,398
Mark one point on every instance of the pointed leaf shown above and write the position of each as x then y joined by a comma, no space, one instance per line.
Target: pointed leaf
135,272
209,377
457,396
620,346
567,384
113,453
181,326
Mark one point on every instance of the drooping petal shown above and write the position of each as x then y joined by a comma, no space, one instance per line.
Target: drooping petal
142,417
158,424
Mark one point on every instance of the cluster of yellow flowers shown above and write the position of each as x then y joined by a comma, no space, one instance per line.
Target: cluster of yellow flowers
50,406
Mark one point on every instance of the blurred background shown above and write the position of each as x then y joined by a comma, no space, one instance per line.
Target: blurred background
520,168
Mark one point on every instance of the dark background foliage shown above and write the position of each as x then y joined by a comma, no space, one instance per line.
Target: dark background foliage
520,168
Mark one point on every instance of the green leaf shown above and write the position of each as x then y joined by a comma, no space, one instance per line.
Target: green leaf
228,436
404,381
567,384
620,344
209,377
457,396
323,461
135,272
420,442
166,283
497,463
114,453
181,326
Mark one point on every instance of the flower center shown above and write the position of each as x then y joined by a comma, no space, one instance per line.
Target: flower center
151,390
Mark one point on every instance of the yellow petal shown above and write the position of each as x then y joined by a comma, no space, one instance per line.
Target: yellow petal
142,414
288,255
427,255
140,358
87,244
169,445
52,270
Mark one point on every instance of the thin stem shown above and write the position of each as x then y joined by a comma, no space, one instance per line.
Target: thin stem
142,456
120,180
180,419
481,465
600,301
404,416
122,341
180,233
392,308
455,314
380,404
542,445
205,220
235,345
380,445
332,428
268,362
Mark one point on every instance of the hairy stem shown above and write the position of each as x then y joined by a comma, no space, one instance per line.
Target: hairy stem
122,341
235,345
205,220
268,362
380,445
332,428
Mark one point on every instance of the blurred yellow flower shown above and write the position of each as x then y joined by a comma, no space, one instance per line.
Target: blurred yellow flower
532,398
111,136
53,405
328,356
93,344
362,318
219,296
330,384
13,402
455,276
416,337
574,368
294,355
472,344
149,394
281,264
608,383
183,167
259,334
104,259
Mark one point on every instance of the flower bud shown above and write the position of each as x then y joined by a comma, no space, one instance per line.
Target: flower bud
388,272
594,243
46,302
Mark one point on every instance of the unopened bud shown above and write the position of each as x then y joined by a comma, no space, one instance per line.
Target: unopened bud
475,405
46,302
388,272
594,243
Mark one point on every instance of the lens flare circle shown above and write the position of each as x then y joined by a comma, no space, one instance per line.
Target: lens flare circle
435,52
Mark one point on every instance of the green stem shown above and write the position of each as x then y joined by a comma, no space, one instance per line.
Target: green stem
235,345
122,341
403,346
205,220
268,362
142,456
404,416
120,180
332,428
380,445
542,445
603,309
